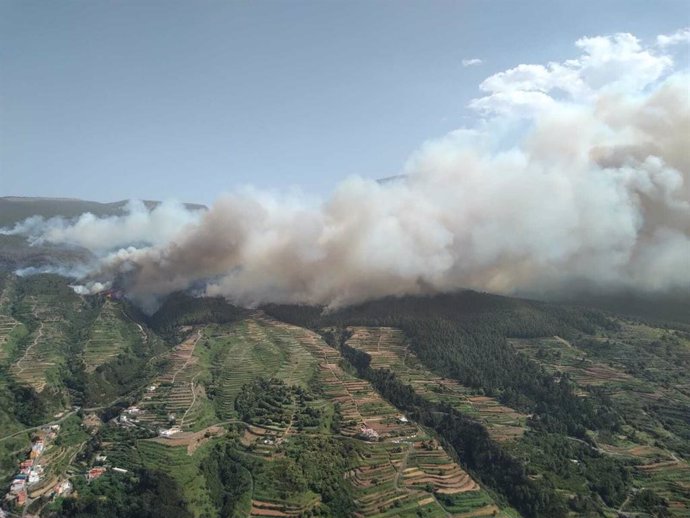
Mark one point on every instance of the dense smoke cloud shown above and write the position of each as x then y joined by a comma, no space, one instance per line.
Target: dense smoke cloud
578,172
138,226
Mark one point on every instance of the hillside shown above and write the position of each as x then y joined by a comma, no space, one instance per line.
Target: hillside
17,208
16,253
459,405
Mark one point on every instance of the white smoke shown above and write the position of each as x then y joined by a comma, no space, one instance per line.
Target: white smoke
577,172
138,225
90,288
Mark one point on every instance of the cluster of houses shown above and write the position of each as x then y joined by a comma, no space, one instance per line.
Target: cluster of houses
30,470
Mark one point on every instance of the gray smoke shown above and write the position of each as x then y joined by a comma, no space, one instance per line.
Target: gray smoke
578,172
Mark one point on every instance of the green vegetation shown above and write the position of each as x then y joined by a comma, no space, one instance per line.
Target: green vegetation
596,436
462,405
265,402
180,309
144,494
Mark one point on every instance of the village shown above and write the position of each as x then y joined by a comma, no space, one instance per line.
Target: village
31,471
32,481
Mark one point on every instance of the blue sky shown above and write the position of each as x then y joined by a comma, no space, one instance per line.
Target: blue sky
151,99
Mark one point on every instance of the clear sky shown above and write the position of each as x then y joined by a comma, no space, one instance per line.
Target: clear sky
107,100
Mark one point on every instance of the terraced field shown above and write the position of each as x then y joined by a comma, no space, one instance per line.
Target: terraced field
176,461
111,333
38,362
428,463
241,352
392,475
388,349
178,398
282,509
650,406
10,331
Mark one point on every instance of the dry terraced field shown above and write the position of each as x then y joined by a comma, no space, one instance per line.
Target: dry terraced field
388,349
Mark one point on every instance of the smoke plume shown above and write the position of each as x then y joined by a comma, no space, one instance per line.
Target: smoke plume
576,172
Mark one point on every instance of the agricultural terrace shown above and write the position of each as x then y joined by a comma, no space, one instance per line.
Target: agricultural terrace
238,353
183,467
206,372
38,364
394,473
111,333
652,438
59,455
175,396
388,349
11,332
278,386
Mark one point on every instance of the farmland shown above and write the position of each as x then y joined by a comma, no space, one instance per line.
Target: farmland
388,349
236,410
37,365
267,390
392,467
392,474
641,369
111,333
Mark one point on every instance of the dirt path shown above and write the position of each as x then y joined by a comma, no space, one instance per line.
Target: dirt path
38,427
403,463
193,400
189,359
597,448
564,342
144,336
620,509
23,358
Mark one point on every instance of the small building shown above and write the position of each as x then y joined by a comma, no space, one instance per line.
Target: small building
120,470
403,419
21,498
37,449
169,432
368,434
63,488
18,485
95,473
